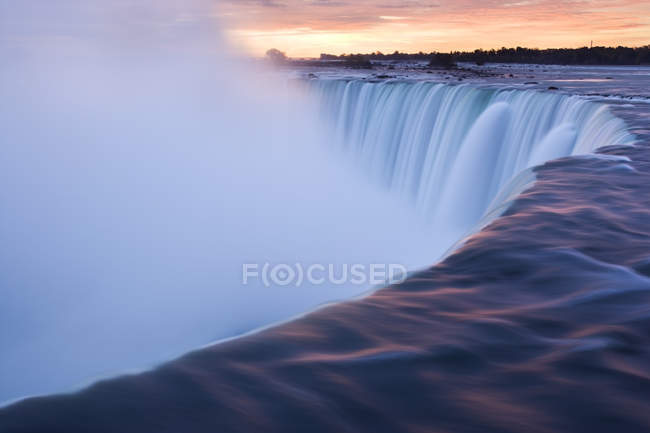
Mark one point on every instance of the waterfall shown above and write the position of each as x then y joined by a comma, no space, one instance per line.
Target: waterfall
450,149
144,167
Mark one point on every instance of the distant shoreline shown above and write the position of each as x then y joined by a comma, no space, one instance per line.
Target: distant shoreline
585,56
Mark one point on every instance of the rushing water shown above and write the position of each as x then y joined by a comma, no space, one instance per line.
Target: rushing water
453,152
451,149
137,202
139,177
540,323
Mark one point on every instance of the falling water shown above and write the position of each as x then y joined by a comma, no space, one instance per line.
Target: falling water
450,150
141,170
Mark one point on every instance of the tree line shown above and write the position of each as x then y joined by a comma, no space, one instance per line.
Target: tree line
558,56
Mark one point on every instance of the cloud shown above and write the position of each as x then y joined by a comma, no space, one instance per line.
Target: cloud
426,25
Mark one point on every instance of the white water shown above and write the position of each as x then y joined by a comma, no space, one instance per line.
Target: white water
140,170
449,150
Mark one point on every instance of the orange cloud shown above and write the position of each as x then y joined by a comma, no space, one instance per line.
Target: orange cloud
307,28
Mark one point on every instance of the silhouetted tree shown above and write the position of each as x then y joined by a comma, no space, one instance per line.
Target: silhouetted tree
276,56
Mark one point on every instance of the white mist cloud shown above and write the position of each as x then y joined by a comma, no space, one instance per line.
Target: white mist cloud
139,171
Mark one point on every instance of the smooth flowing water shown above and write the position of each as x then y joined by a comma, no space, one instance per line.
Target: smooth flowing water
142,168
450,150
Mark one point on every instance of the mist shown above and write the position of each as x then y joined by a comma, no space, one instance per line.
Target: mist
142,165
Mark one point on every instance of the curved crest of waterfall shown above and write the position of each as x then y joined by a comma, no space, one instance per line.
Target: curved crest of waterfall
451,149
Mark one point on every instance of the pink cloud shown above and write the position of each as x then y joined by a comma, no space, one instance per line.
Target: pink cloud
442,24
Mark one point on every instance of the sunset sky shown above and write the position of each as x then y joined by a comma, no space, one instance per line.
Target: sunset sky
304,28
